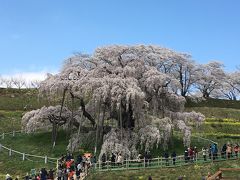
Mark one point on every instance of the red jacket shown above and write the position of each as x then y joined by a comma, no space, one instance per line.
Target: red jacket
69,163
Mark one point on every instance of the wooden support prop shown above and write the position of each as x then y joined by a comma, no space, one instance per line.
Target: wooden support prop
229,169
215,176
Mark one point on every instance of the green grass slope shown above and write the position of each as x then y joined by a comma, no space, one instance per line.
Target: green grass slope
222,125
15,99
189,172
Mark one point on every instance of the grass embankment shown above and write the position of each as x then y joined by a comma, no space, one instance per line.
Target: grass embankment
189,172
15,99
10,120
217,103
217,112
36,144
222,125
13,104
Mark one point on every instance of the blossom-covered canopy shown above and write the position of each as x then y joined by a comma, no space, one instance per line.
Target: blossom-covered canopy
135,86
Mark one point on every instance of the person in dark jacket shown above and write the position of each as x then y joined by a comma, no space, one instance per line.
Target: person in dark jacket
174,156
27,177
148,158
223,151
166,156
186,155
113,159
79,158
104,158
210,151
50,174
43,174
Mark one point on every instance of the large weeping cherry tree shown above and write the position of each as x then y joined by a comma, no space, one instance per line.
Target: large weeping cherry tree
126,94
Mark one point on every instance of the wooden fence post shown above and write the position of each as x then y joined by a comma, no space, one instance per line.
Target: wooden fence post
3,135
0,147
45,160
23,157
13,133
10,152
95,166
57,164
144,162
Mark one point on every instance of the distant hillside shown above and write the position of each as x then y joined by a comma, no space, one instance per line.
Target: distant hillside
221,103
15,99
19,99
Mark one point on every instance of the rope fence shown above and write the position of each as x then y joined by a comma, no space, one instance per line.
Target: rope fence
25,156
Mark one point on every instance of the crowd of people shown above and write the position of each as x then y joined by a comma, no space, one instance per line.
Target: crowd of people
227,151
116,160
191,154
70,168
42,174
212,152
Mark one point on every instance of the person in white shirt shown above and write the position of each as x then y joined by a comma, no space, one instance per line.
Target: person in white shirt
119,159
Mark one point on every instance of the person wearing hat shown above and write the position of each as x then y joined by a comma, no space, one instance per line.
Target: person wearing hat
8,177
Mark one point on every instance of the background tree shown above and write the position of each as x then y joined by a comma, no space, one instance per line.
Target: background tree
230,87
35,83
210,77
7,82
19,82
186,73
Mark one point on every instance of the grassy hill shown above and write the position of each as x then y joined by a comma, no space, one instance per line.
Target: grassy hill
222,125
36,144
217,103
188,172
15,99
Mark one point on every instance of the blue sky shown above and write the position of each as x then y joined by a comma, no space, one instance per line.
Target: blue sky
37,35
